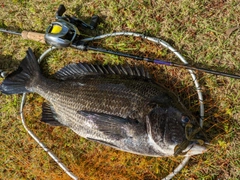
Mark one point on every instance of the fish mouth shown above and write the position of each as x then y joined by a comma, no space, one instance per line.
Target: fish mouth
195,149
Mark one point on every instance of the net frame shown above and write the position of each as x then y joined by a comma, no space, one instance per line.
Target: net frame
144,37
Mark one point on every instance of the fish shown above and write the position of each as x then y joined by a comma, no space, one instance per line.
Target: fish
120,106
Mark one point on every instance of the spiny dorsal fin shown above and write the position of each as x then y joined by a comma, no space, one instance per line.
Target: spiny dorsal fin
49,115
74,71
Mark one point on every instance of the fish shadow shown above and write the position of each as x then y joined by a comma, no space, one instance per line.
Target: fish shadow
217,122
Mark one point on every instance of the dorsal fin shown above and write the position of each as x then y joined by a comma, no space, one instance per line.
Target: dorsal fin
74,71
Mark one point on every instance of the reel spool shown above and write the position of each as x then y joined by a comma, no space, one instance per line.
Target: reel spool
61,33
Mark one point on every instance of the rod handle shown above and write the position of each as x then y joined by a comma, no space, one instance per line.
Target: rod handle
33,36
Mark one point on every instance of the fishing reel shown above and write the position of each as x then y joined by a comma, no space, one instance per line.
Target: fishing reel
66,29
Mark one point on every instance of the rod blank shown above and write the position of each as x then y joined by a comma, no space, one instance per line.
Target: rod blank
197,69
156,61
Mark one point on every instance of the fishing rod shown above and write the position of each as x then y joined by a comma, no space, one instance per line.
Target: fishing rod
84,47
27,35
65,33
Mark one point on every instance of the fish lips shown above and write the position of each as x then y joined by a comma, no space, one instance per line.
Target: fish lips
194,149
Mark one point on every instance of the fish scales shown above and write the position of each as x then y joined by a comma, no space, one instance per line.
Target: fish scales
94,97
116,106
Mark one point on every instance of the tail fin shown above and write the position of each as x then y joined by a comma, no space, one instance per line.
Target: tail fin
19,81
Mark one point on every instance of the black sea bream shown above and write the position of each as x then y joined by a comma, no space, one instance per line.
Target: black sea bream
119,106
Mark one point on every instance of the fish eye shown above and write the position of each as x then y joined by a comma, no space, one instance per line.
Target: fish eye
185,119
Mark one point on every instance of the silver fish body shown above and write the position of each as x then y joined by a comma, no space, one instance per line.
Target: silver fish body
117,106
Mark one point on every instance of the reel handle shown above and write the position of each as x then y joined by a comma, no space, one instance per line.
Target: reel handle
61,10
33,36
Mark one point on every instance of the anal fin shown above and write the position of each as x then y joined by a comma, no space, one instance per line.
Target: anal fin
103,142
49,115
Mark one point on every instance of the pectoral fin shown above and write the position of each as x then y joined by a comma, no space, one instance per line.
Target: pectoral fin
114,126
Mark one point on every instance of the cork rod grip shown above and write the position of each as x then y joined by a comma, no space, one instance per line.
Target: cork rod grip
33,36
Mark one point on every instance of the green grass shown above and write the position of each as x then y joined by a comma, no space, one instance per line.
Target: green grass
198,29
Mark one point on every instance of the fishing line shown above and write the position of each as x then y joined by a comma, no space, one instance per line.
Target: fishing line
152,39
